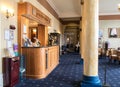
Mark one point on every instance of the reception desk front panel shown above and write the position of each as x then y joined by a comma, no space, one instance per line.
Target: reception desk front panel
40,61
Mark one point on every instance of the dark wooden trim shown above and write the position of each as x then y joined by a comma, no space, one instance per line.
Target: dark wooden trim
109,17
68,22
48,7
72,27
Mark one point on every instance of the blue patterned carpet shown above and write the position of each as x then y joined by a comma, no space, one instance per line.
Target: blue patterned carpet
113,72
69,73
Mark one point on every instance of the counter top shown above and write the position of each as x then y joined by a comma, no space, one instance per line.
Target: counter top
41,46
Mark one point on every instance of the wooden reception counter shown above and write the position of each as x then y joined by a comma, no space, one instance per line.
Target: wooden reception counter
40,61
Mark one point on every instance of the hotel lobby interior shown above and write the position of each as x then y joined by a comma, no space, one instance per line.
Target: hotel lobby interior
59,43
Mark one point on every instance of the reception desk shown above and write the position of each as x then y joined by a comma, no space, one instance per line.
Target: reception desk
40,61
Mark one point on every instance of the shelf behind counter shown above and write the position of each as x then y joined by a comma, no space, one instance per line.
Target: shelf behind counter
40,61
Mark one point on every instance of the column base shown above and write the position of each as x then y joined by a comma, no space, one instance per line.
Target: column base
90,81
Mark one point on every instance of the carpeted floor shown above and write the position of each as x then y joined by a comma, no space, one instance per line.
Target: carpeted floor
112,74
69,73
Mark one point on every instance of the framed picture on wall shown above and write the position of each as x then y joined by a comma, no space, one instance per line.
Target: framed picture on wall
11,34
7,34
113,32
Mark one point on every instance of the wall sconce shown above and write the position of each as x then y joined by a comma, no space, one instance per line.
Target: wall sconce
118,6
8,12
82,2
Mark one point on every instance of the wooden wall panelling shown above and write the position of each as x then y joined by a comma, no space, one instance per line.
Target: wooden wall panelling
43,35
22,9
46,36
53,58
35,14
49,8
29,11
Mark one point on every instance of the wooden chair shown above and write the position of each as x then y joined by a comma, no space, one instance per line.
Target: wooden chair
108,53
113,54
99,52
118,53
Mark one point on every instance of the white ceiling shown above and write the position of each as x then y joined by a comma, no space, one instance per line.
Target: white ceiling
108,7
71,8
66,8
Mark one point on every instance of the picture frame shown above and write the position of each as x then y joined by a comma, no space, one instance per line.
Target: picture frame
114,32
7,34
11,34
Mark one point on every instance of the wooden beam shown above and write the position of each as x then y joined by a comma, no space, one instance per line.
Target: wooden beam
109,17
45,4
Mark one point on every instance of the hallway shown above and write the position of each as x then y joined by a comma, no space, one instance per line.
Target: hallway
69,73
